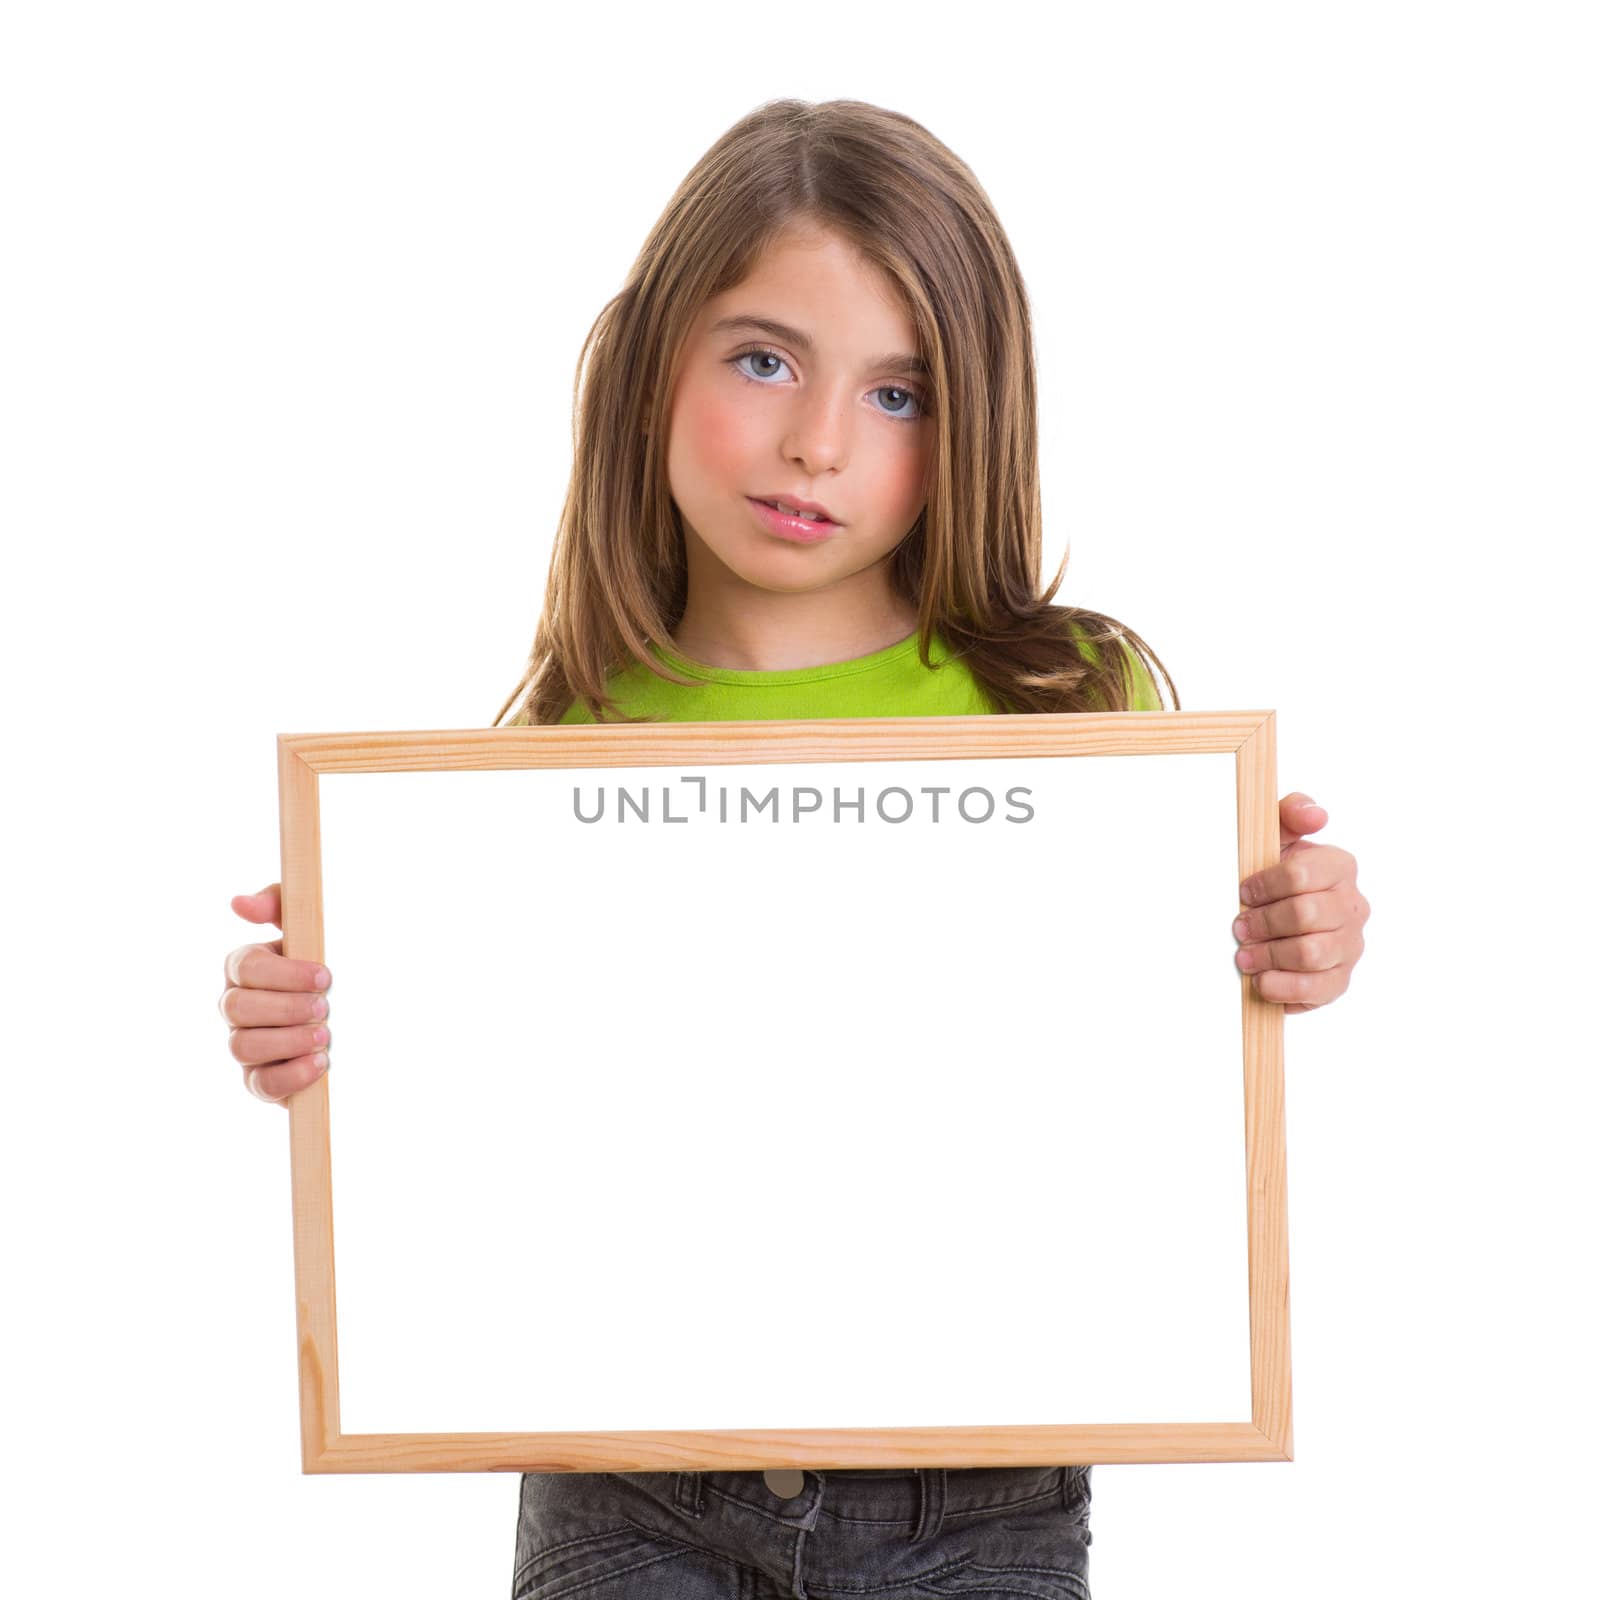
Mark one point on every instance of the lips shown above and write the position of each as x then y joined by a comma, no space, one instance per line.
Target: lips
812,508
799,530
810,516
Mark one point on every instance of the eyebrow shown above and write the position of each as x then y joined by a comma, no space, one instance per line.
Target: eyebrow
908,366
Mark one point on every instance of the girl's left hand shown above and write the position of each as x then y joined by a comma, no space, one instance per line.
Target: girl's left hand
1301,931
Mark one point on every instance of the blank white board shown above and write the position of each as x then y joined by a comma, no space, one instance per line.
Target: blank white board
787,1095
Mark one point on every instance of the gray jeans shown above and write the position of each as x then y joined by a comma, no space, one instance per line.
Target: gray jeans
915,1534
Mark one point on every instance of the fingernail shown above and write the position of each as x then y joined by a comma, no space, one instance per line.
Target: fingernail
320,1060
319,1007
320,1036
1241,928
322,979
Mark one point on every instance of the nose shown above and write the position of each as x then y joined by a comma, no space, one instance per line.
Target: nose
819,440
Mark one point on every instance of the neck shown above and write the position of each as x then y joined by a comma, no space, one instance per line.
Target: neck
764,630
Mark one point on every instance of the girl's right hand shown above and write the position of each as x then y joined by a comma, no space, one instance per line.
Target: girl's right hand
275,1007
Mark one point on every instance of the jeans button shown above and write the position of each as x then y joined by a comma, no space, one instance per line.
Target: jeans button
785,1482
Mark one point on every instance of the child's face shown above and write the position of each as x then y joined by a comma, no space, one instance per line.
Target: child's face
832,424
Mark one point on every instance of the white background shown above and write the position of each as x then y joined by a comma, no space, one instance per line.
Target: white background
290,300
895,1087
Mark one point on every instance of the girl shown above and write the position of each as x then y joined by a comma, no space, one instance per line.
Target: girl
806,485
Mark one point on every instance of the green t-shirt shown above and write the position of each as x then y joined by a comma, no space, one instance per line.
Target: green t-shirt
891,682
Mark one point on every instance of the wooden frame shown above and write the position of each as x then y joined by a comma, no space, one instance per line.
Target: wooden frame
1264,1436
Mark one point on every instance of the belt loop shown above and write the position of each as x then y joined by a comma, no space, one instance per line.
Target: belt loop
689,1494
1077,1494
930,1518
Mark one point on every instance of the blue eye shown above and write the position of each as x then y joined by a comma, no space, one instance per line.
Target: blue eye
913,395
769,354
910,394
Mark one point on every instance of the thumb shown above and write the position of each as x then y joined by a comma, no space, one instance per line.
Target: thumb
1298,814
262,906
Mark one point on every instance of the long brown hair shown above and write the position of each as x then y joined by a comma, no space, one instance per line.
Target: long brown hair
970,564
